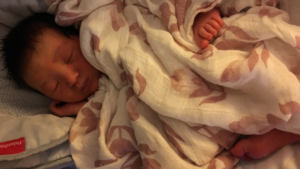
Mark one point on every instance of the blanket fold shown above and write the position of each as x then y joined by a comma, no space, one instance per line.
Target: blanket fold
168,104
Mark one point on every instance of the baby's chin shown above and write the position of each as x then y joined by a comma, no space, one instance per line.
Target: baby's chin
86,95
75,98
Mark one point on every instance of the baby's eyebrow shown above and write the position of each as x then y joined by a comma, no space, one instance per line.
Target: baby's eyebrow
56,53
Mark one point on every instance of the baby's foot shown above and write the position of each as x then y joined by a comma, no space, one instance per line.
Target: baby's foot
259,146
206,26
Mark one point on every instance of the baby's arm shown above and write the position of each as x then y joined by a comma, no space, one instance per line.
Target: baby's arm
259,146
67,109
206,26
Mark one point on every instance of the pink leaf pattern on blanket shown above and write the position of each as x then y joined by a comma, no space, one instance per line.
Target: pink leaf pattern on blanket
231,11
296,70
117,21
271,14
289,107
244,124
204,54
240,33
96,105
119,5
273,120
95,42
253,59
243,38
123,75
231,73
134,29
131,104
146,150
172,132
99,163
90,120
265,54
215,99
203,89
151,163
241,125
181,6
297,40
229,44
133,115
189,84
178,79
137,163
121,146
166,13
130,93
172,135
141,81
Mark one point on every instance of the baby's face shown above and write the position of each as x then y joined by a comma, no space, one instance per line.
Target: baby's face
58,69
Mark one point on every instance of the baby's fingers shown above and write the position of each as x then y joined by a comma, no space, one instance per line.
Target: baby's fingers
57,110
54,102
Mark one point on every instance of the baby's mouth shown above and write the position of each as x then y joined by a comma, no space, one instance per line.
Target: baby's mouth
84,85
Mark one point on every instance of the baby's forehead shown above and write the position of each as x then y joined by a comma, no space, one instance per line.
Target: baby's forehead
52,32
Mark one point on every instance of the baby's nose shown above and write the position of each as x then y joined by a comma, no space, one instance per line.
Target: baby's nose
72,79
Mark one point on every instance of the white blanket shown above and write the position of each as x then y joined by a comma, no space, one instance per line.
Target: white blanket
168,104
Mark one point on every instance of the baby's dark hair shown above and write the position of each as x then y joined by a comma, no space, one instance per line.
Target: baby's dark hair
19,44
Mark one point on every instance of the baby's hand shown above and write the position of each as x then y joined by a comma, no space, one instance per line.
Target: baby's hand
67,109
206,26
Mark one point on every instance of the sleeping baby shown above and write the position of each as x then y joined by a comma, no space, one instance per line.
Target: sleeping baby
46,58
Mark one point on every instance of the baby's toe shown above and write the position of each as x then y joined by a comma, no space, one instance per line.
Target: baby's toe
204,34
210,30
214,24
219,20
204,43
240,149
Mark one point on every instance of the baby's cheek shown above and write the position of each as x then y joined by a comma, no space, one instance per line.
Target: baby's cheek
95,86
